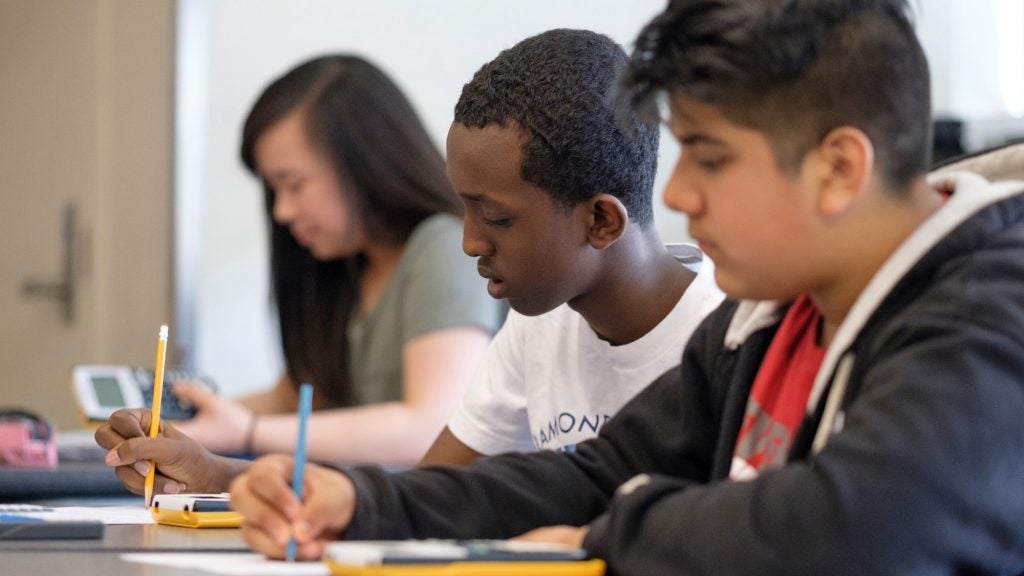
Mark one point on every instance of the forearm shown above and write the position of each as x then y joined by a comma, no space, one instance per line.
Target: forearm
391,434
496,497
437,366
280,398
227,469
507,495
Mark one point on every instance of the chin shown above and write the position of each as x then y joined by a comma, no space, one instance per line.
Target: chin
753,291
324,254
738,288
530,307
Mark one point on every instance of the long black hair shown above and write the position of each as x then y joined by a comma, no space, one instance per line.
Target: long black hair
380,150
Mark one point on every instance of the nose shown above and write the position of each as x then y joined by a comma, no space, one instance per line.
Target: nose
681,194
474,242
284,208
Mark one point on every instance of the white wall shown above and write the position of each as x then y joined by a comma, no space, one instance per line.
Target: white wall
976,52
430,48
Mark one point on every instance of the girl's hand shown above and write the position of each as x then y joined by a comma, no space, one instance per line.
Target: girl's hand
221,425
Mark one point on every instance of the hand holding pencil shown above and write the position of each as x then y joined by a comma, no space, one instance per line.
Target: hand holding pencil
273,515
295,520
137,443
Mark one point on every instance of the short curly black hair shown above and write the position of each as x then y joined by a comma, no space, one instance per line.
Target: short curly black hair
558,87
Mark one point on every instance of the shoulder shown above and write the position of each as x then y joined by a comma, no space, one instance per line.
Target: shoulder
436,244
965,264
438,283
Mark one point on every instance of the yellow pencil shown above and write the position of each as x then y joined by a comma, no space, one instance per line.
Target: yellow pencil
154,418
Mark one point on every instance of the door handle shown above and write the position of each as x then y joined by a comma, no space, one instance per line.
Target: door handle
63,288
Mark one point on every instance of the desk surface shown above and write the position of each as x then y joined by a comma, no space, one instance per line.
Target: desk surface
91,483
103,557
82,564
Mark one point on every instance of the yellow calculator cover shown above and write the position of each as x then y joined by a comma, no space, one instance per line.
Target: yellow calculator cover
195,510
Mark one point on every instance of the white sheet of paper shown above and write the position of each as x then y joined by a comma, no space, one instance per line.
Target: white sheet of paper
106,514
222,563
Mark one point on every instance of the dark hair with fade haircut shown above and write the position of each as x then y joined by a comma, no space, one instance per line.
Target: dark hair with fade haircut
383,157
794,70
557,86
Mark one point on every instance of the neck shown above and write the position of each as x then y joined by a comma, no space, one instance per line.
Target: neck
380,264
639,284
870,246
380,257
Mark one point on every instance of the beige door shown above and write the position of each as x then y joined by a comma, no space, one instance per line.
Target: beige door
86,127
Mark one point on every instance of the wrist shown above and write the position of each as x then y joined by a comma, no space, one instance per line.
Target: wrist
225,471
345,490
248,442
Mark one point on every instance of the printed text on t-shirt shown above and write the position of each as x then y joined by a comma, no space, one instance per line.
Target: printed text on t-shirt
567,423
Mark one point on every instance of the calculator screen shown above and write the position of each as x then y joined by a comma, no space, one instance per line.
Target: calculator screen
108,391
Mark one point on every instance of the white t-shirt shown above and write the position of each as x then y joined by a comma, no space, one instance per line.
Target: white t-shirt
549,382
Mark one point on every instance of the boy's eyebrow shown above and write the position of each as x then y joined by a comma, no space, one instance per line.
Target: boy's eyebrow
695,138
479,198
473,197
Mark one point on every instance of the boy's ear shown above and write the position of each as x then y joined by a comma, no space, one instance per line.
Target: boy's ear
607,220
845,163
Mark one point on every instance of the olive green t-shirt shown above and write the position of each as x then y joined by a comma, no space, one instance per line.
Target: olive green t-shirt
436,286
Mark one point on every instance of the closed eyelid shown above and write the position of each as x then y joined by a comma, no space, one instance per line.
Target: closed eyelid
498,222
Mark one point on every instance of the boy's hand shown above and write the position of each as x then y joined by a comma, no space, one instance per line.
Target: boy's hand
272,514
570,536
182,464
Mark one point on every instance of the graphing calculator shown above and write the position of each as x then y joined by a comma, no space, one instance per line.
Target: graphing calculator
100,390
195,510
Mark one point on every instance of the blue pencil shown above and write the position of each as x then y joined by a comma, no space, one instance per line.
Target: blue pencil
305,405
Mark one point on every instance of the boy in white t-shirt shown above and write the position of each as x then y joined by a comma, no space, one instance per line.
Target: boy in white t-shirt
558,195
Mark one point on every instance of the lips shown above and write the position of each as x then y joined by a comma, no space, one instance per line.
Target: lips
485,271
706,246
303,237
495,285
